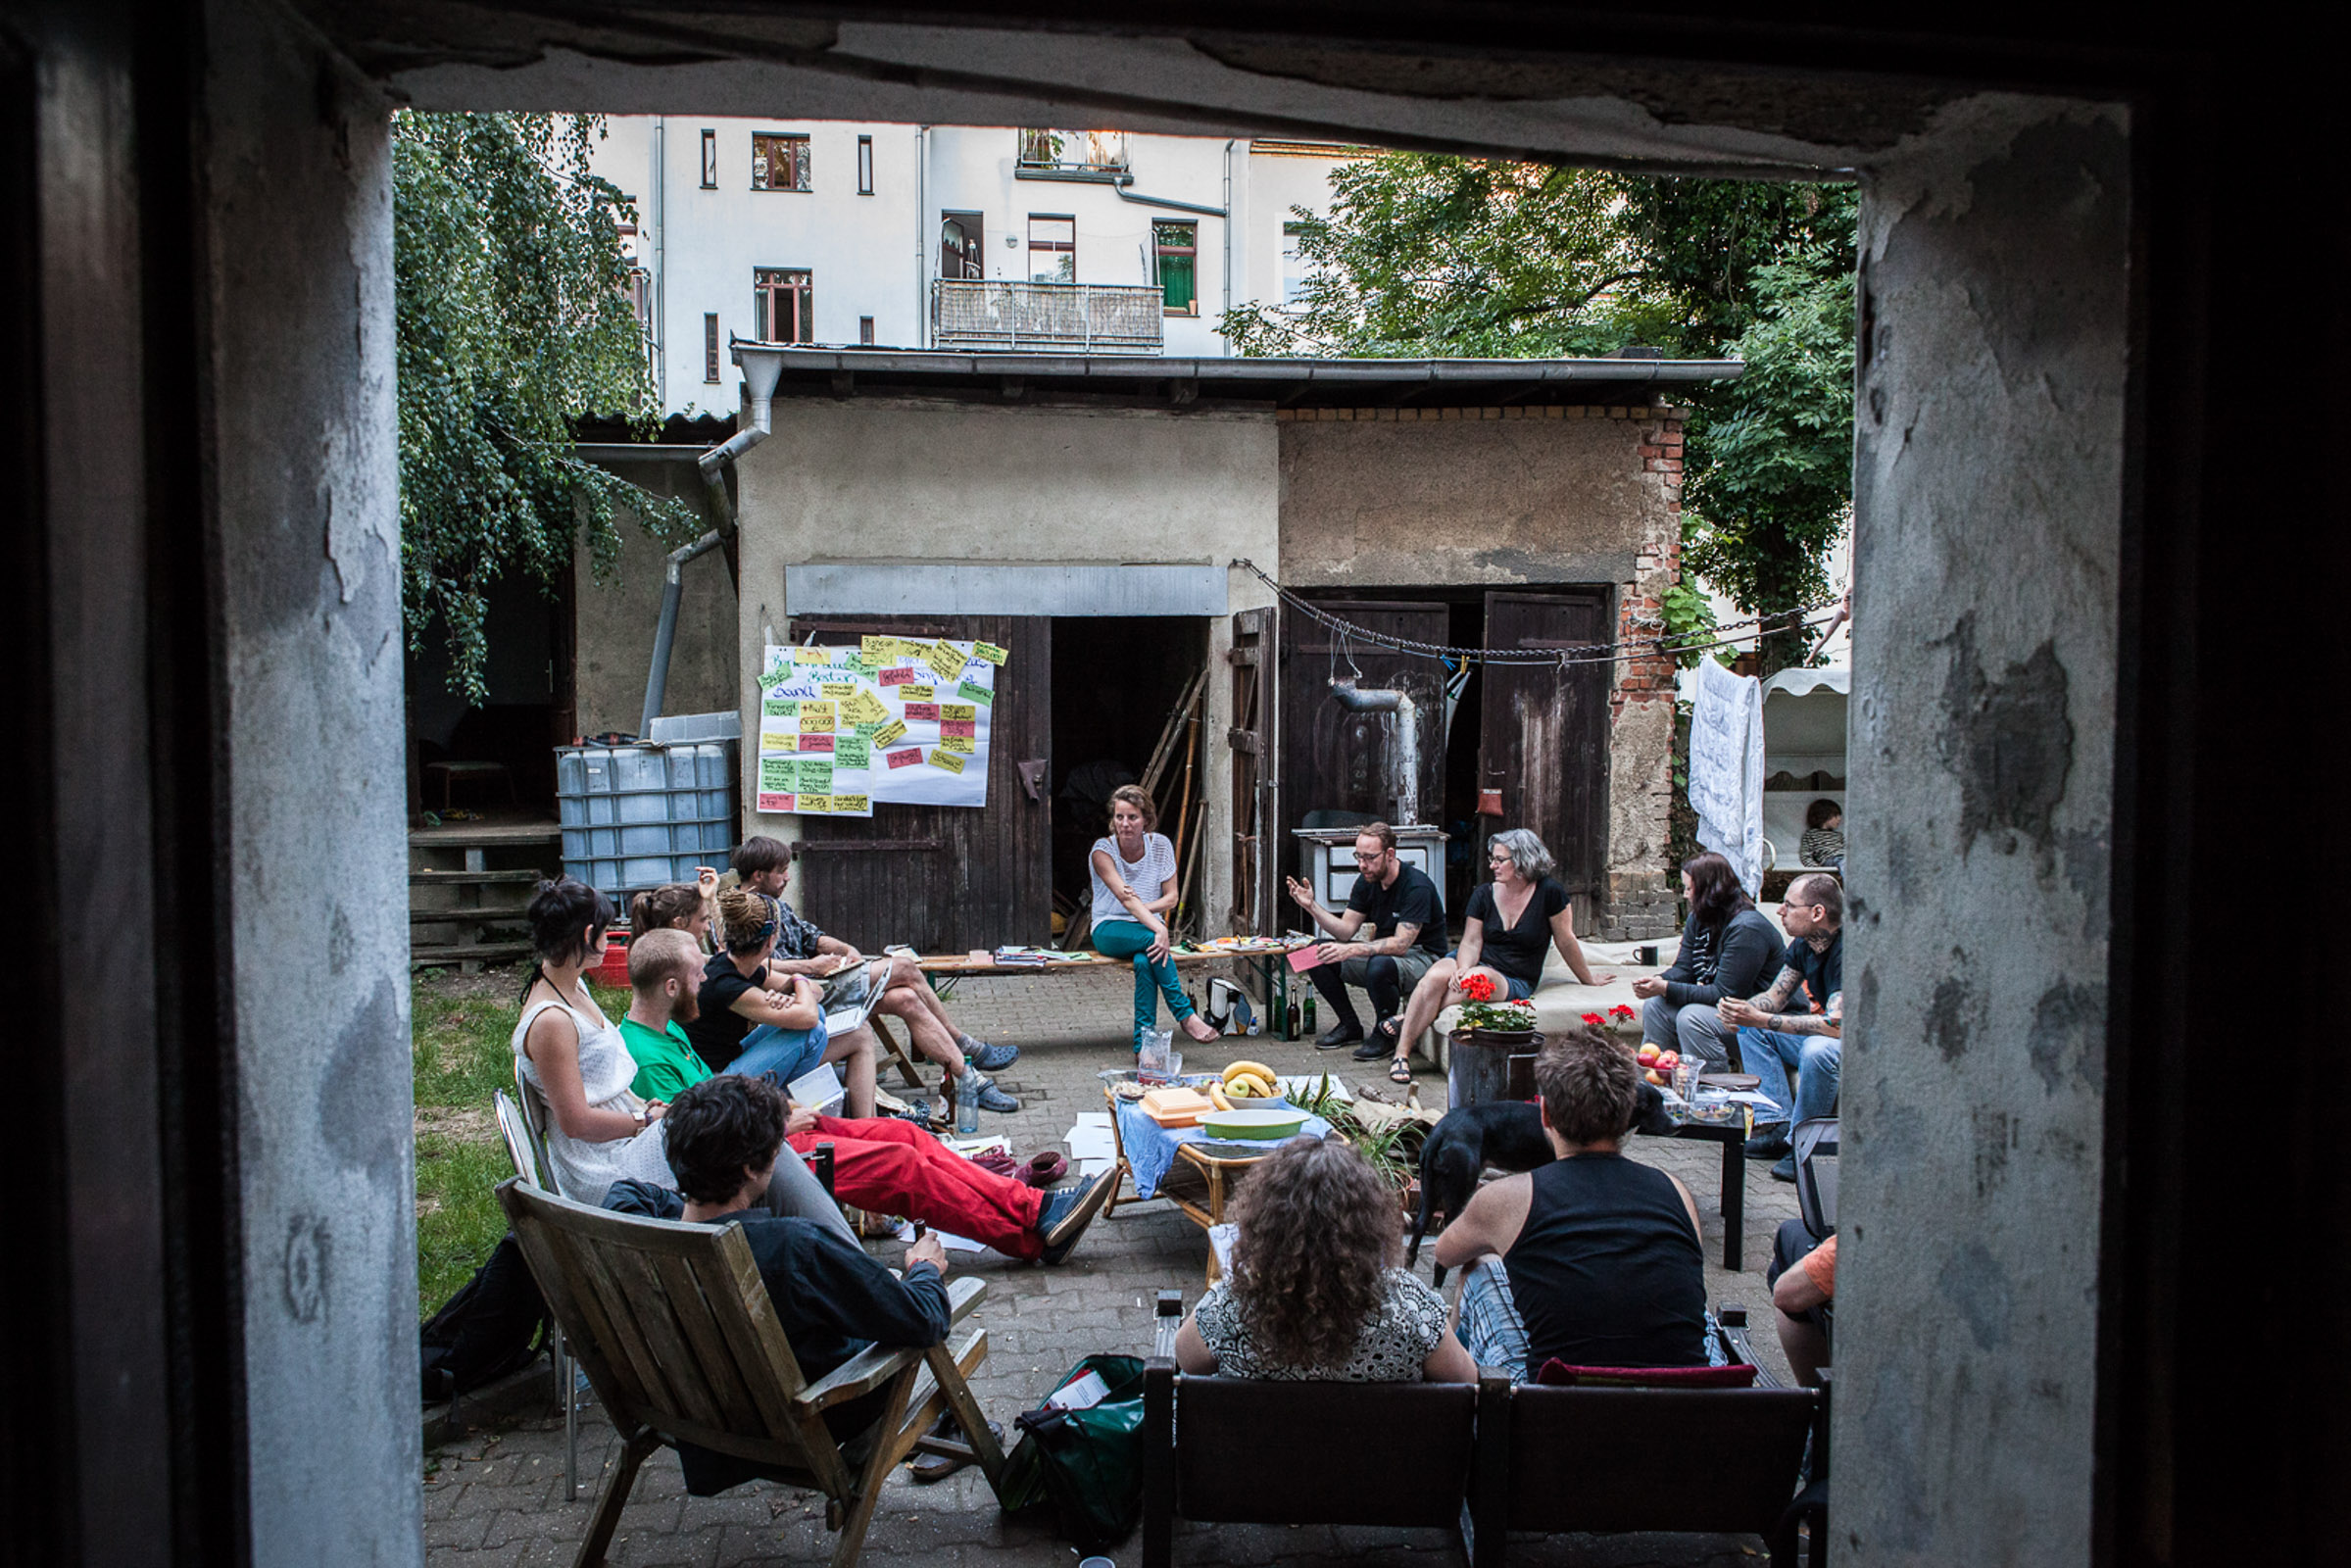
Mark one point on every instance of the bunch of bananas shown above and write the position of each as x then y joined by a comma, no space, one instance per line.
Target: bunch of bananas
1250,1080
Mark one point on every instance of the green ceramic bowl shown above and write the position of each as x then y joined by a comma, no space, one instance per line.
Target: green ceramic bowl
1253,1126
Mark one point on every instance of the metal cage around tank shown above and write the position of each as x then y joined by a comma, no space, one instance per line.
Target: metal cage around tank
638,815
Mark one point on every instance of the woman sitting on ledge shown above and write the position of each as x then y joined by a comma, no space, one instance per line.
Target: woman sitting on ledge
1133,892
1508,923
1316,1293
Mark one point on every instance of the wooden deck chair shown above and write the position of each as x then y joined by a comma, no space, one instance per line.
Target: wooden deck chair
531,1112
682,1344
526,1151
888,1036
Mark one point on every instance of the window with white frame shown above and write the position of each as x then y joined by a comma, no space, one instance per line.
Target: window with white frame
1052,248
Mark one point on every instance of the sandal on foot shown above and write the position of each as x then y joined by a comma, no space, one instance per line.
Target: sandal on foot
1400,1071
944,1449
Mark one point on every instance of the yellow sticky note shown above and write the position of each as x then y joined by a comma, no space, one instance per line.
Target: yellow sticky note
957,743
837,688
895,730
811,656
990,652
815,724
947,659
817,804
948,761
777,740
852,805
949,711
864,708
917,694
878,649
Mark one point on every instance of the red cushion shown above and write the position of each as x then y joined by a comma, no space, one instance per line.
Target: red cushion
1558,1374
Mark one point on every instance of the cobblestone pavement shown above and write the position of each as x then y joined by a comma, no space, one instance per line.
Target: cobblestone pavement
494,1500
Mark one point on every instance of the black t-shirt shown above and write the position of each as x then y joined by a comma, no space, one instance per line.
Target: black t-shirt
717,1034
1607,1271
1410,900
1824,973
1517,950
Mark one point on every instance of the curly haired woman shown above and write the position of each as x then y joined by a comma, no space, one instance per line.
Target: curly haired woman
1316,1293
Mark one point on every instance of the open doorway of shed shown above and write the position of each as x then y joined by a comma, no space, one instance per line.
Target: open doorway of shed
495,760
1117,681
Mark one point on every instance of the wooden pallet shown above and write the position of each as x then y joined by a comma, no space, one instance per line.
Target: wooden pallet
478,953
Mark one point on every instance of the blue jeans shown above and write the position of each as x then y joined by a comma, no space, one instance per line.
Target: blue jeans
1815,1060
1153,977
781,1054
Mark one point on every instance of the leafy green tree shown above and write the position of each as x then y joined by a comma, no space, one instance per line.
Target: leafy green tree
1424,254
513,320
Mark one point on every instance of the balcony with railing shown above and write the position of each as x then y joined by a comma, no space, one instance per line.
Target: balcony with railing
1043,318
1073,152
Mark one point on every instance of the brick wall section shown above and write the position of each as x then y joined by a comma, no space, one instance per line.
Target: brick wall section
1641,899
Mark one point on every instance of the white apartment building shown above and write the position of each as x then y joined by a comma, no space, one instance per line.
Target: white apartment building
947,237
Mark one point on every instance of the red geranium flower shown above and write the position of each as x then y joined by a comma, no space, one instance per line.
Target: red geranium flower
1620,1011
1478,987
1592,1018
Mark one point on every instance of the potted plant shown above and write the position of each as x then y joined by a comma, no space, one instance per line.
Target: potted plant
1482,1017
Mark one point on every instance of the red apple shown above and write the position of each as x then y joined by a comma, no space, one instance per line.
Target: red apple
1647,1053
1667,1061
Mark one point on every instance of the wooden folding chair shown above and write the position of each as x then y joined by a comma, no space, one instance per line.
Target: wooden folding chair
683,1345
529,1151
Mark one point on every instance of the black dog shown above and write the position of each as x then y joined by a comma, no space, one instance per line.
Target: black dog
1506,1133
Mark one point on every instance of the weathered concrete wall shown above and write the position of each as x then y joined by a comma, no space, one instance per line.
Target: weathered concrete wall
1988,499
615,621
298,264
1507,496
883,480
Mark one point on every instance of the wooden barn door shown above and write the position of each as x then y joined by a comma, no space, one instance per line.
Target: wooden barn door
1544,733
1335,758
1256,864
947,879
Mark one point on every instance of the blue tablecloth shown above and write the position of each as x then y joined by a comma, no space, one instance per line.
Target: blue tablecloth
1150,1148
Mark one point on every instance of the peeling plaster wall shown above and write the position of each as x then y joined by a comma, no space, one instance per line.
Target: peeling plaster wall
615,619
891,480
299,270
1469,500
1989,498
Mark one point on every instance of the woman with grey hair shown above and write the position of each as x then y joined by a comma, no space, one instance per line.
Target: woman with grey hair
1509,922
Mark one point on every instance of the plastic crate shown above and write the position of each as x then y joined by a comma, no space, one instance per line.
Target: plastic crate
638,817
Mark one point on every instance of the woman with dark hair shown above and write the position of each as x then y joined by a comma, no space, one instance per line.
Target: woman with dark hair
576,1060
1728,950
1315,1292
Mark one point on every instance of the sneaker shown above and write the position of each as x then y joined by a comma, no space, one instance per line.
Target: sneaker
1339,1034
1785,1171
1067,1213
991,1058
1770,1142
993,1098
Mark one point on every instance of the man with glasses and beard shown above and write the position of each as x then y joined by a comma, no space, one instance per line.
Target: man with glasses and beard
1406,914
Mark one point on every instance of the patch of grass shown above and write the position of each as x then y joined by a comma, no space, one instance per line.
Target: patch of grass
462,1024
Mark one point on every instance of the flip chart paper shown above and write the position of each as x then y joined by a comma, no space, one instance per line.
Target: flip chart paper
842,727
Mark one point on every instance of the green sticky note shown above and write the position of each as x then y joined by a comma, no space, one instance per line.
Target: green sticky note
978,694
815,777
777,775
865,731
775,677
781,707
852,751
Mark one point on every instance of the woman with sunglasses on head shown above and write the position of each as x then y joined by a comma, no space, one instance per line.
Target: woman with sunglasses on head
1507,927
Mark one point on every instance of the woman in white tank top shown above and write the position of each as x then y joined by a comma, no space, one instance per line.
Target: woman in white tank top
1134,891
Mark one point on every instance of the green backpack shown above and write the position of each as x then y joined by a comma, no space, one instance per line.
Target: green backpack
1087,1463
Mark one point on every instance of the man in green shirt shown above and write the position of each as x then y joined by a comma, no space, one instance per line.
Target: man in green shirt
665,970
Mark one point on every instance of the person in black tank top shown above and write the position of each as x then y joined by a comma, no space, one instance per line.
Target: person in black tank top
1594,1259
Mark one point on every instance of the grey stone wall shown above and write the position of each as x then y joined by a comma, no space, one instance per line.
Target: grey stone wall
1988,501
297,251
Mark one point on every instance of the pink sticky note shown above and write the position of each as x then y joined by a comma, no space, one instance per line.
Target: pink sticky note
1305,958
923,711
816,743
905,758
896,677
968,728
769,801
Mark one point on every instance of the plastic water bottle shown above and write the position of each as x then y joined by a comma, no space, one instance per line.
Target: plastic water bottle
967,1102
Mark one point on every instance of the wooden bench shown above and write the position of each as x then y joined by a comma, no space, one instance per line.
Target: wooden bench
677,1334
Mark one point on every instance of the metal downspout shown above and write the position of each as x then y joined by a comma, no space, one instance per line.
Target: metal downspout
656,679
1221,337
